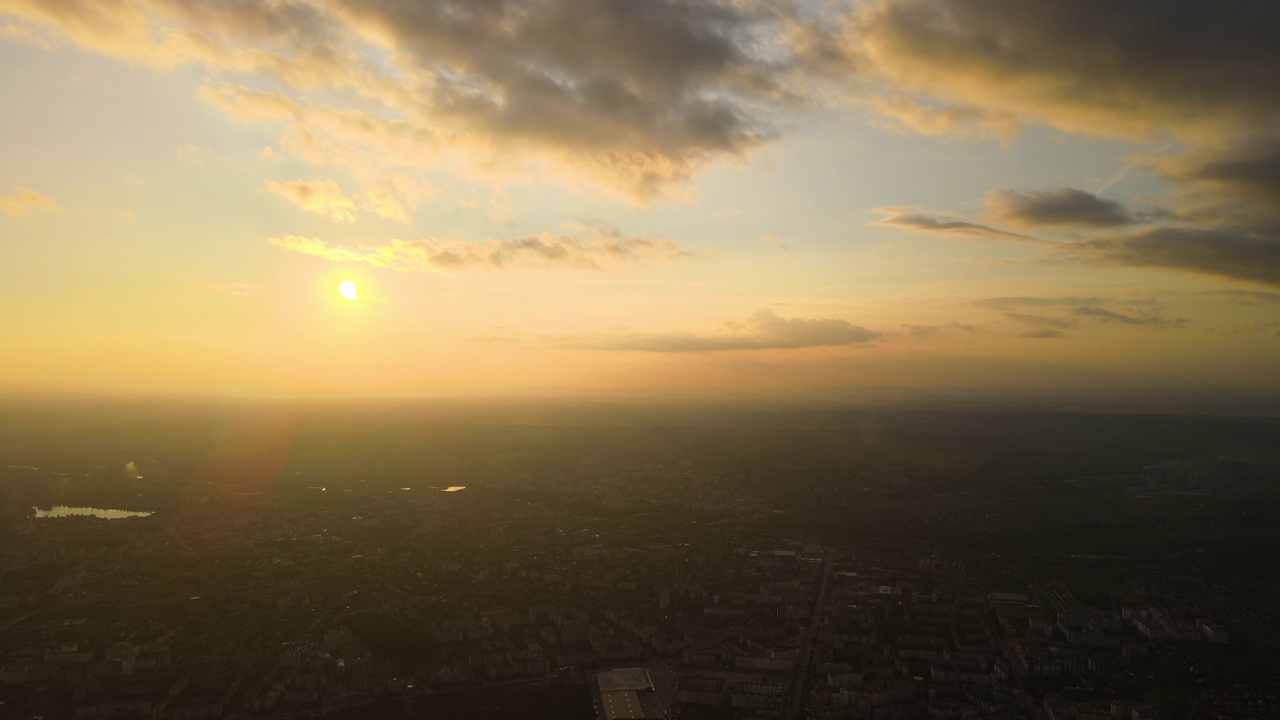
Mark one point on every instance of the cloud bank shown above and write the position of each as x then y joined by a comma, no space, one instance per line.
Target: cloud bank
1236,250
1199,72
636,96
639,97
1191,67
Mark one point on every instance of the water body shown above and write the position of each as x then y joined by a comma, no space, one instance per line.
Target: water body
104,513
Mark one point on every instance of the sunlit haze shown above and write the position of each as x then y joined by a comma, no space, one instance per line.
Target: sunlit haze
747,199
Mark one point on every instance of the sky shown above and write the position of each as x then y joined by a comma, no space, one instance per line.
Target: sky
639,198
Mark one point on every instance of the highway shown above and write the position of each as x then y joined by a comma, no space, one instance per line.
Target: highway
805,660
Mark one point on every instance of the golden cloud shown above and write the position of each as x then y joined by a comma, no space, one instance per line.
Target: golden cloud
26,200
594,247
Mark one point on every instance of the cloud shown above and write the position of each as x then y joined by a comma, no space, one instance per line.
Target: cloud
777,242
1064,207
1268,328
1245,246
193,154
637,96
1047,334
1196,68
925,221
1110,316
593,246
394,195
1198,73
763,330
960,120
24,201
1244,171
1247,297
1022,301
1044,321
1071,312
322,197
931,330
24,34
388,199
1230,252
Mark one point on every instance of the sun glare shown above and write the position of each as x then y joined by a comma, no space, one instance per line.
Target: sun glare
349,290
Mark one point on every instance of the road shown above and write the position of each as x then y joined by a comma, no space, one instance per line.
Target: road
805,659
17,620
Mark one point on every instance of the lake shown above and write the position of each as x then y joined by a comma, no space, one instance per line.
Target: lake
106,514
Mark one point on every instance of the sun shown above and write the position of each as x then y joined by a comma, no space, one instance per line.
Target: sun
349,290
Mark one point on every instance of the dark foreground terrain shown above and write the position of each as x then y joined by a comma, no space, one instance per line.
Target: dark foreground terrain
490,560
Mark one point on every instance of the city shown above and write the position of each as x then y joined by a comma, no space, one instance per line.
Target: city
690,585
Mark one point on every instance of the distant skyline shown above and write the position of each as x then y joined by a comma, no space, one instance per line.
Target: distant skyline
616,198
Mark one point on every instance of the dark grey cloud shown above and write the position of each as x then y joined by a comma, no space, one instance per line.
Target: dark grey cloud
764,330
1244,251
639,95
1203,72
1063,207
1237,253
1092,66
924,221
1248,170
651,90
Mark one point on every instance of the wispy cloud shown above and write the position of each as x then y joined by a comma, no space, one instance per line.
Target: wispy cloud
925,221
1266,328
763,330
1246,297
931,330
24,201
961,120
321,197
1052,315
594,247
390,198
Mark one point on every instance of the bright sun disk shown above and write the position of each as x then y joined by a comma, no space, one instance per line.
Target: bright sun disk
349,290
